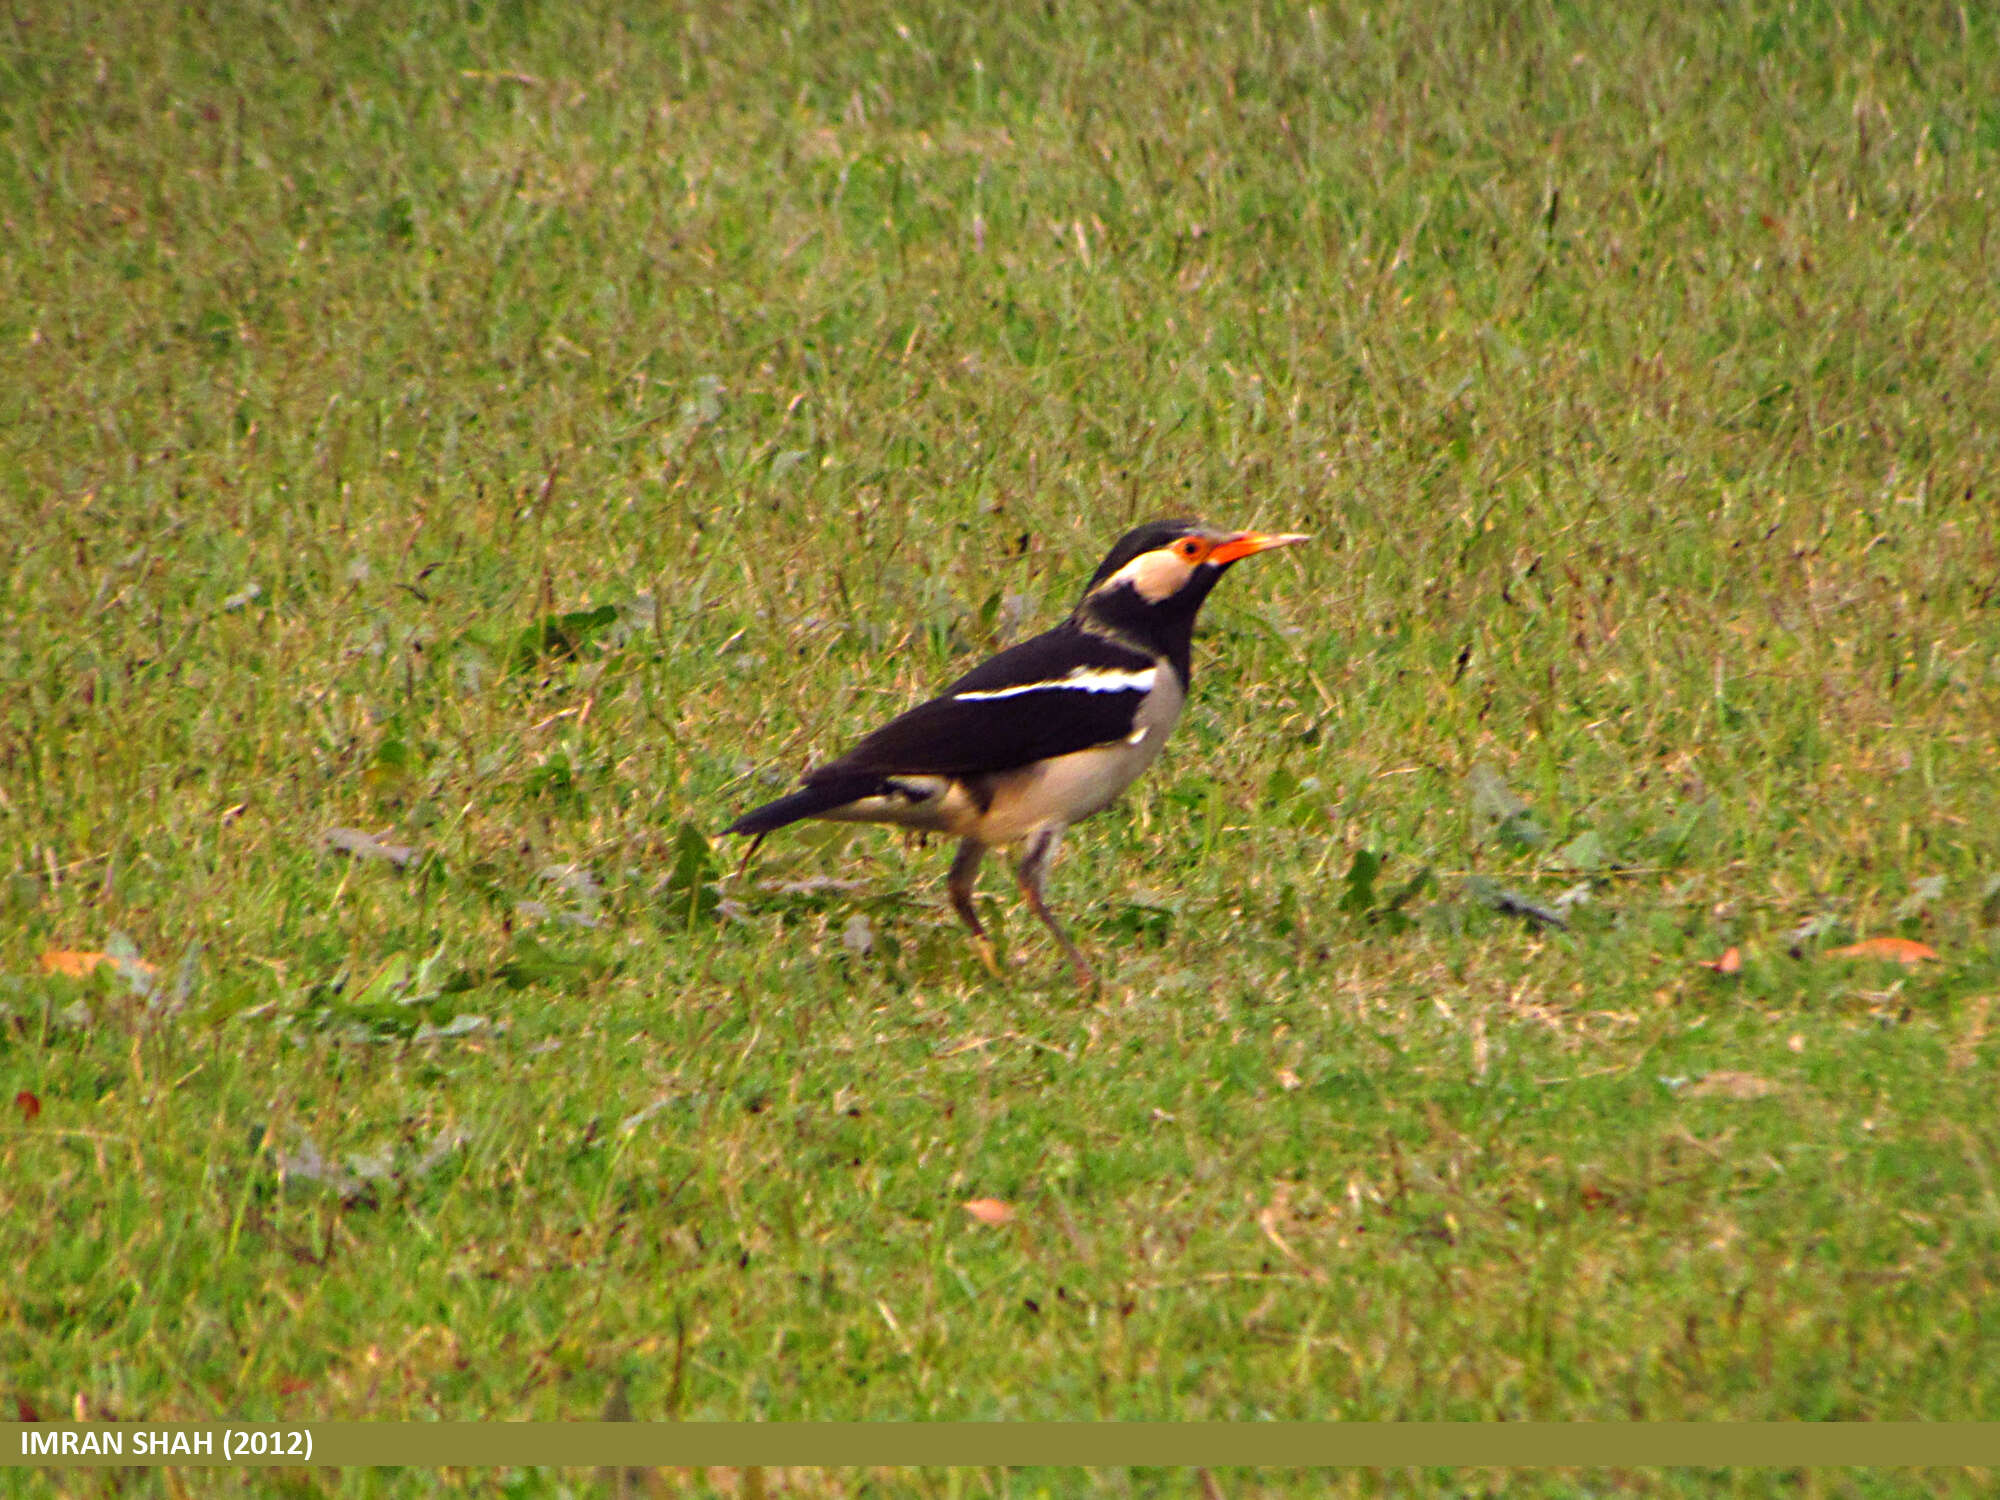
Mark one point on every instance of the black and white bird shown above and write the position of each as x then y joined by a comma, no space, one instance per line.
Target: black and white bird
1044,734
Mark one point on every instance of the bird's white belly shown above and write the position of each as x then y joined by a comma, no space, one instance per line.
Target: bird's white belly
1055,793
1004,807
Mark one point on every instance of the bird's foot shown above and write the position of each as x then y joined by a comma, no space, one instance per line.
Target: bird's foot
987,956
1080,969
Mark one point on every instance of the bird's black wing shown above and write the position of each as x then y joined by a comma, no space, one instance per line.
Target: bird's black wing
1066,690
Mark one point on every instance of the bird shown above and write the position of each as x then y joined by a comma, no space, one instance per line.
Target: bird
1042,735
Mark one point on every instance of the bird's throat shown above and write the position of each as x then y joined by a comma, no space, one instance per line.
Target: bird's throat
1165,629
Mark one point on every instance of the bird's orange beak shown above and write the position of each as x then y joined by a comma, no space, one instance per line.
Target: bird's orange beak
1244,543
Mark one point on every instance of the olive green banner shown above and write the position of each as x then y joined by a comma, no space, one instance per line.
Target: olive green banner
1280,1444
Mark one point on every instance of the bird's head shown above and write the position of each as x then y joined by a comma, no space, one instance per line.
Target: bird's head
1169,566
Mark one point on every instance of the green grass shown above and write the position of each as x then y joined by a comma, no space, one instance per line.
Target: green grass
1636,371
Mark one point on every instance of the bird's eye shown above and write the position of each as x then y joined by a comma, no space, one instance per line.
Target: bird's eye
1189,548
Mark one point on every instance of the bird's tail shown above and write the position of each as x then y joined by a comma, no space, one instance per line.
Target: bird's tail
806,802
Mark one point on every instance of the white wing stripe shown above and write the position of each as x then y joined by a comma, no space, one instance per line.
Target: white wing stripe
1080,681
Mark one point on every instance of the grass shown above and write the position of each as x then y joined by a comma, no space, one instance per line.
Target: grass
532,436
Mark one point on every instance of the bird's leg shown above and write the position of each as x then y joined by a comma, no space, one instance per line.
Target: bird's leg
1030,872
964,871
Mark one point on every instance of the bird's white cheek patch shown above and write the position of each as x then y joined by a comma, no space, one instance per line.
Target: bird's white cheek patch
1107,681
1153,575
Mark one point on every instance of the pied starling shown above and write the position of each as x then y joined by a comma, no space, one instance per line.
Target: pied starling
1044,734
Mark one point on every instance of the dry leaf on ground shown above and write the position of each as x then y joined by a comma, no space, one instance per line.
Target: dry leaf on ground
1279,1211
359,845
81,965
1725,1083
28,1105
1895,949
1731,962
989,1210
